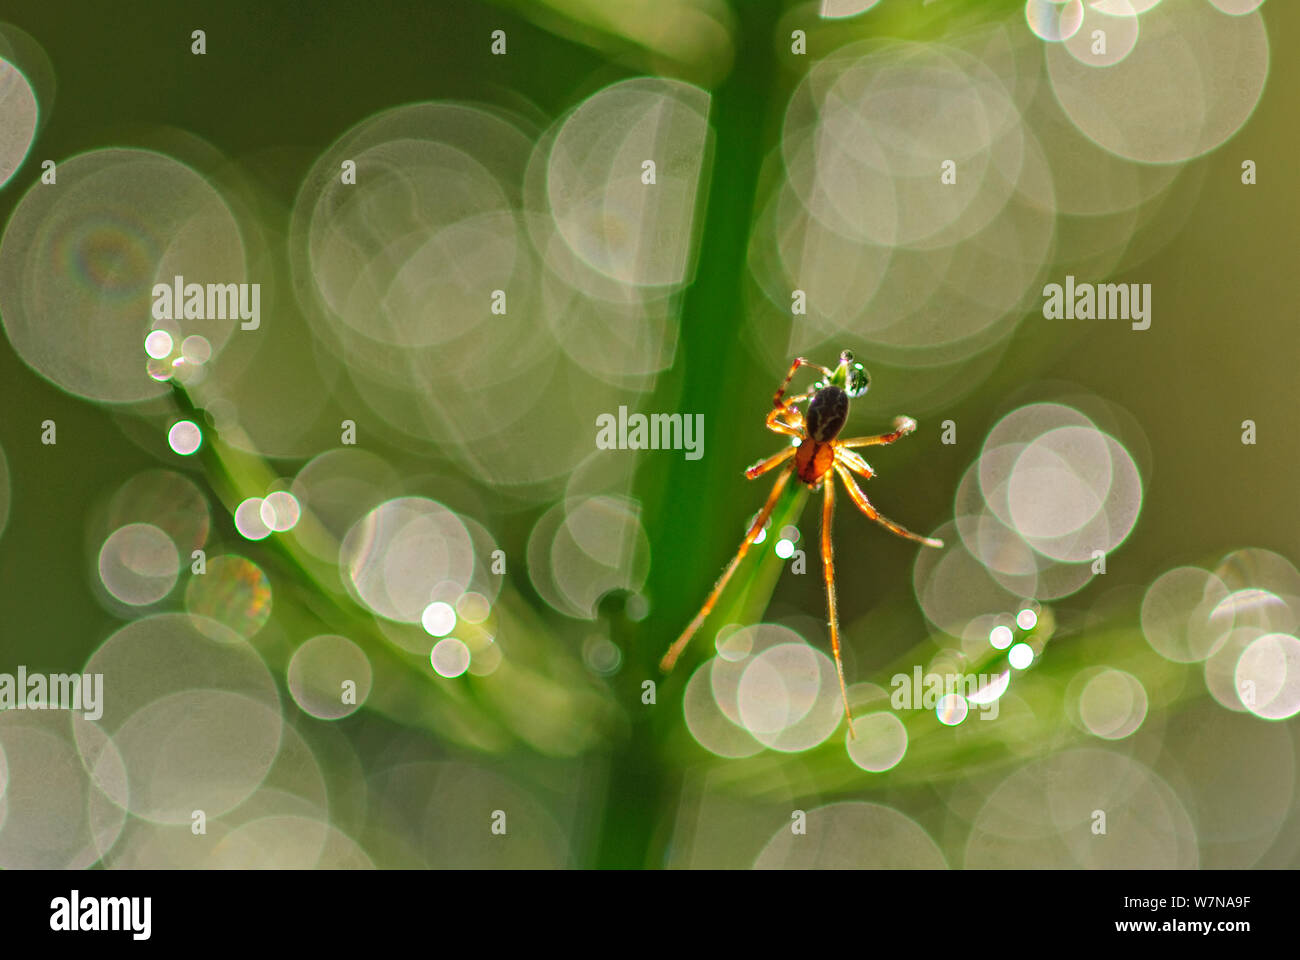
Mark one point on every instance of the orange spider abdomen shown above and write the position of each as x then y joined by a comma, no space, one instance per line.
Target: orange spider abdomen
814,460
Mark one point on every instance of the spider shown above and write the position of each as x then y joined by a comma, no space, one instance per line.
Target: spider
817,455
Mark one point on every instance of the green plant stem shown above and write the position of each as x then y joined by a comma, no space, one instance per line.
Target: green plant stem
641,789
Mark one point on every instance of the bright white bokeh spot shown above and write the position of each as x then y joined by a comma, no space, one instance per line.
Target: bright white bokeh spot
1190,82
586,547
990,690
881,741
196,349
184,437
158,344
787,697
248,519
1026,619
1184,616
1115,24
191,720
19,114
777,690
1268,676
1237,8
54,817
438,619
1045,811
1020,656
471,607
1257,607
1064,487
405,553
1054,20
323,671
784,549
138,564
449,658
611,224
762,535
1059,482
734,644
711,718
1113,704
1001,636
280,510
952,709
78,262
853,836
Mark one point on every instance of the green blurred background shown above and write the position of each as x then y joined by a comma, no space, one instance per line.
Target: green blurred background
588,773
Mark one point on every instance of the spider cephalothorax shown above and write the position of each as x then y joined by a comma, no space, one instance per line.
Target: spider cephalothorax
819,455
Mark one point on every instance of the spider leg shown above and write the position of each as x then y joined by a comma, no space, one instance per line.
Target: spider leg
794,368
863,504
670,658
853,462
792,427
828,571
902,427
772,462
